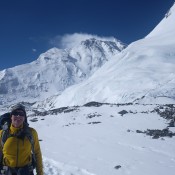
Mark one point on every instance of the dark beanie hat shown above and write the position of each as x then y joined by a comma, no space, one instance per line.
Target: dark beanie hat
19,107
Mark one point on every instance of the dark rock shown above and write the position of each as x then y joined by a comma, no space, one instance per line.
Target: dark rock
93,103
34,119
138,131
93,115
123,112
117,167
157,133
94,122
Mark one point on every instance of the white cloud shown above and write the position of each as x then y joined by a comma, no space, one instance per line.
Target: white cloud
70,40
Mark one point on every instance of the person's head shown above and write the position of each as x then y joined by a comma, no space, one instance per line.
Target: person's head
18,115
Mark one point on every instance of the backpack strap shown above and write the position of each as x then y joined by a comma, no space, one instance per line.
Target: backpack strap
30,138
5,134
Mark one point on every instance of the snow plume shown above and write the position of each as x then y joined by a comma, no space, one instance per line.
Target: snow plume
71,40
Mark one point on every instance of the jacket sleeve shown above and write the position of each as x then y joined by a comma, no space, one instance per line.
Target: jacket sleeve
38,155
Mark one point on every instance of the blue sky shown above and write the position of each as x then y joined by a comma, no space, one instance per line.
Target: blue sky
29,27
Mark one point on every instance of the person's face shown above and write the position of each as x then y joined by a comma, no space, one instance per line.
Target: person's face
17,118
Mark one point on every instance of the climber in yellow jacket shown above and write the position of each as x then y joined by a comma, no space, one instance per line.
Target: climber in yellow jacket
17,148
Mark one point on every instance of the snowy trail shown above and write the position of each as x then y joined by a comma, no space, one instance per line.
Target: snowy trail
52,167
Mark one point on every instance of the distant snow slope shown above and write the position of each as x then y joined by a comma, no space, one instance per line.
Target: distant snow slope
55,70
144,72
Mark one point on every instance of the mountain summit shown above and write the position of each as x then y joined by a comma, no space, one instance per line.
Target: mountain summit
55,70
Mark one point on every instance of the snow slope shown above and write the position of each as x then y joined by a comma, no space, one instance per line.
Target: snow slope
166,25
105,140
144,72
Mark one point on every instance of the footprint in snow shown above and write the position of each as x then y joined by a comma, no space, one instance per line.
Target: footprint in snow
52,167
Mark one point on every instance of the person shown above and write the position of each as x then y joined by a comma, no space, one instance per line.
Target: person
17,157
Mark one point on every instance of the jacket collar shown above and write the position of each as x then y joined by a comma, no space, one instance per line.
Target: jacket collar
14,130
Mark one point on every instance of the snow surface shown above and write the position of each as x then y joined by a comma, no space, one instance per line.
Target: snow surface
94,140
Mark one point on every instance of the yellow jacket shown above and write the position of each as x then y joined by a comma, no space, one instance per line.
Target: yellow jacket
17,152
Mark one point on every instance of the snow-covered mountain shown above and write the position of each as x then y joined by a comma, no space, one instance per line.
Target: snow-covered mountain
55,70
143,72
104,138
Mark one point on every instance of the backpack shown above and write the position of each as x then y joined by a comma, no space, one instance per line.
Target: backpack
5,122
3,119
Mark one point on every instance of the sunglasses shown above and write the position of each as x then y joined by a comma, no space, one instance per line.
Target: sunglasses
16,113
